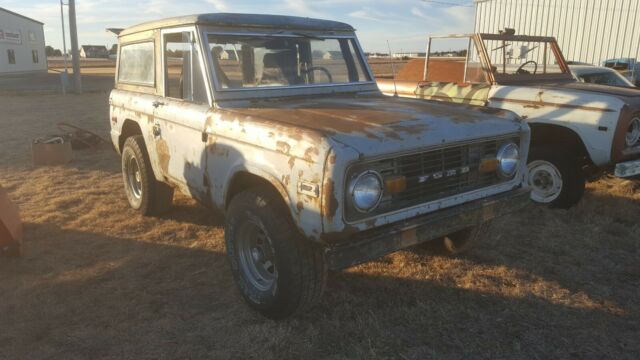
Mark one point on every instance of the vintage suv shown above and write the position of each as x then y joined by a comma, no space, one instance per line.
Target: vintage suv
577,129
277,122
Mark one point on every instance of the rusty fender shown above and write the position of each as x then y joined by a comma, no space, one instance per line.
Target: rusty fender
372,244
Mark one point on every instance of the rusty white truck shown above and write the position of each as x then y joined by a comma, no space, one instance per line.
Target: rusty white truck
277,122
578,130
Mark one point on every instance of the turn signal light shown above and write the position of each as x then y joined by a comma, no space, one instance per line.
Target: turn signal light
395,184
488,165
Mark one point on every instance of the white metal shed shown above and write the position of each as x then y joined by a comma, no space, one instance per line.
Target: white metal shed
588,31
22,47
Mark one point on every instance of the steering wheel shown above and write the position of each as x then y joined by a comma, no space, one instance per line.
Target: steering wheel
319,68
523,71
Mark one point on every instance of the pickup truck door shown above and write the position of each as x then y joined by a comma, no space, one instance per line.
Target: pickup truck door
180,115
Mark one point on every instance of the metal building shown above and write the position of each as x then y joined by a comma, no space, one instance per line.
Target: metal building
22,46
588,31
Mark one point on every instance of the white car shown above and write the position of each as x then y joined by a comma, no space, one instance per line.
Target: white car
599,75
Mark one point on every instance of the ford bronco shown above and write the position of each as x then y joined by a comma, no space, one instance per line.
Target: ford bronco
578,130
277,122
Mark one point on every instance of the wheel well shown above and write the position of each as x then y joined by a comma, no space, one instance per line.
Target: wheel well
554,135
129,128
245,180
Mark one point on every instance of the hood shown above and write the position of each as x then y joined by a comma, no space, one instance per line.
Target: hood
375,124
619,92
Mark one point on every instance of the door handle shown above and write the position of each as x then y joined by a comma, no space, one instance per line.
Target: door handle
157,104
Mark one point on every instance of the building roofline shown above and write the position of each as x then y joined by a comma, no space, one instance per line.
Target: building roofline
242,20
22,16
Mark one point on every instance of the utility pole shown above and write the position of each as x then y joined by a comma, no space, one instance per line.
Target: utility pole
65,74
73,30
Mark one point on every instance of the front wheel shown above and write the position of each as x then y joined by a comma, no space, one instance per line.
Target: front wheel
277,272
555,177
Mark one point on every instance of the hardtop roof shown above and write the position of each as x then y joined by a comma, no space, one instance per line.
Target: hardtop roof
243,21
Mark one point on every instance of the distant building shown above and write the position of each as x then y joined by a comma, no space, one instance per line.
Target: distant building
94,51
21,44
409,54
589,31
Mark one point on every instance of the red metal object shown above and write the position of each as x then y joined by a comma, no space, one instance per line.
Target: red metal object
10,226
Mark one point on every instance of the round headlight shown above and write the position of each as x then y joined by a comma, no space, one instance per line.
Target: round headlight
509,158
633,132
366,191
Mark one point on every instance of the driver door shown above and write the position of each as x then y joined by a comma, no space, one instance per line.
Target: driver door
180,115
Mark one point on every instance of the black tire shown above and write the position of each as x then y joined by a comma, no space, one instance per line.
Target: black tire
148,195
547,160
299,271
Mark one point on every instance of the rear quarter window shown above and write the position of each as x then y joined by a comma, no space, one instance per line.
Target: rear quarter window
137,64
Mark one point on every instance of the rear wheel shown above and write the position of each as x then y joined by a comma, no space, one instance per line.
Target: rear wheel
144,192
555,177
277,272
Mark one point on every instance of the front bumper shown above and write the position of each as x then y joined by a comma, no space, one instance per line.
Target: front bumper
627,168
372,244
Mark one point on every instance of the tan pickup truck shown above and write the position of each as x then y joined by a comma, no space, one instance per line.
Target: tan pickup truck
578,130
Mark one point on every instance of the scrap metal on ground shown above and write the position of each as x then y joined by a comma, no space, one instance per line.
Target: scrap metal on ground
10,226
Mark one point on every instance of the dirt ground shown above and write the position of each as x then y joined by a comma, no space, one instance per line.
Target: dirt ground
99,281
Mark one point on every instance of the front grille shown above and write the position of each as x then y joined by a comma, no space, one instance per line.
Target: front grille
434,174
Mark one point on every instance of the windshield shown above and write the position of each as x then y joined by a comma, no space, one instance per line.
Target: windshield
522,57
253,61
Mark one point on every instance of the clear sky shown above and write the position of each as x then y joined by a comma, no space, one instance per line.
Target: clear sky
405,23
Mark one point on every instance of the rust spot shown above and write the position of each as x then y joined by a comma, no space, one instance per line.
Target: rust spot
300,206
332,159
283,147
300,174
296,136
310,153
330,202
286,179
162,149
292,161
539,104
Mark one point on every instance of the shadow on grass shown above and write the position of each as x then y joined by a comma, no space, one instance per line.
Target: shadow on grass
79,295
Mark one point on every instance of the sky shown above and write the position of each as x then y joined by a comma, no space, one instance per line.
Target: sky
404,23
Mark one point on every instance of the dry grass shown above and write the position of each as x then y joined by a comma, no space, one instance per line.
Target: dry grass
99,281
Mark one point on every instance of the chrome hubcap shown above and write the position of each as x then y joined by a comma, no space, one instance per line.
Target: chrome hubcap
545,181
257,257
135,177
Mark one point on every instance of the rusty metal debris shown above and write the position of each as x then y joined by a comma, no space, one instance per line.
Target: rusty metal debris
10,226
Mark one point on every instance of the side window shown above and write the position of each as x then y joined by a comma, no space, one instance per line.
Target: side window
137,64
12,56
183,77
